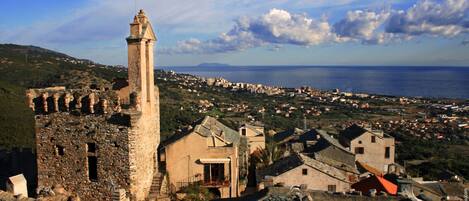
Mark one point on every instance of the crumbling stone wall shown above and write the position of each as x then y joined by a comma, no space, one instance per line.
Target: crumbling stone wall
72,133
123,139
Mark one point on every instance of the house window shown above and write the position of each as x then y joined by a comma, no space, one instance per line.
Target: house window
373,139
304,171
59,150
387,152
214,173
92,168
243,132
359,150
91,147
331,188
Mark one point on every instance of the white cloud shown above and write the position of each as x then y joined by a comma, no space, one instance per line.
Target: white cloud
361,25
448,18
275,27
279,26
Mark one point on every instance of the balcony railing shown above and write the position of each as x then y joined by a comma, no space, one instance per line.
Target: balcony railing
215,183
196,179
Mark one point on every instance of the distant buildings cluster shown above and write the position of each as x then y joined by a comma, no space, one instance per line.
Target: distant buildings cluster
253,88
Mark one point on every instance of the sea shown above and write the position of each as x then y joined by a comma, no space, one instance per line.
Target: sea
412,81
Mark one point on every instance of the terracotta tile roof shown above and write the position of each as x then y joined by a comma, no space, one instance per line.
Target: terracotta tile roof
375,182
369,169
390,187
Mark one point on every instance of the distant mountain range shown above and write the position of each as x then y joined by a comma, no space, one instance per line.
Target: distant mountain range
212,65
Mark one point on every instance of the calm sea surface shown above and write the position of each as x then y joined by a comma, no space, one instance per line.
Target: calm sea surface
448,82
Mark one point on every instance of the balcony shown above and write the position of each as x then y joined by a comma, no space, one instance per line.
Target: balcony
215,183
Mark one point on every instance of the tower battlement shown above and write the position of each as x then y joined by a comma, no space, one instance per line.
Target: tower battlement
81,101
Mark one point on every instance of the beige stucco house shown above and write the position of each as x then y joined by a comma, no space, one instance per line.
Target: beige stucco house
299,169
207,154
372,147
255,136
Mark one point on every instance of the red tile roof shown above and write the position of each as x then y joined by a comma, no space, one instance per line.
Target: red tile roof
375,182
370,169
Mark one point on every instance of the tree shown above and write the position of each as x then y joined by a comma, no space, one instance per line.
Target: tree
267,156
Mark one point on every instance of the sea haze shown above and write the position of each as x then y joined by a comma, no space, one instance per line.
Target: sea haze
440,82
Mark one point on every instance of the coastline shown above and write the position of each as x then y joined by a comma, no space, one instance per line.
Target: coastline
416,82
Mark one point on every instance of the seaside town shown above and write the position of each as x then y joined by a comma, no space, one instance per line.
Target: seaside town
426,118
161,135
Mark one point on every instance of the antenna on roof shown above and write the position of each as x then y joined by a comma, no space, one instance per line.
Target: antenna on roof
305,127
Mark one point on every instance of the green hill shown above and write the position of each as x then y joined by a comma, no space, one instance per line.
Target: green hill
23,67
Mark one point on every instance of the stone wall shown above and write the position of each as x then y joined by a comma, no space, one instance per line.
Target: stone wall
124,137
143,141
64,145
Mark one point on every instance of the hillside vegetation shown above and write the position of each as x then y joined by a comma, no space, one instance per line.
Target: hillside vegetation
23,67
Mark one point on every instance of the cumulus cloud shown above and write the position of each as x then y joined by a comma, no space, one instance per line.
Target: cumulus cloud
448,18
445,18
362,26
279,26
275,27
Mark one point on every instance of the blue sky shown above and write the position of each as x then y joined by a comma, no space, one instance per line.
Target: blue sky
250,32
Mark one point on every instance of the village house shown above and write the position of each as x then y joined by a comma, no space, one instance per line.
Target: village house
207,154
293,140
298,169
255,136
372,147
313,158
431,190
329,151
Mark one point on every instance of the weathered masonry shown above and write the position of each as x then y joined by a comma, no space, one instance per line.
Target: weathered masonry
99,142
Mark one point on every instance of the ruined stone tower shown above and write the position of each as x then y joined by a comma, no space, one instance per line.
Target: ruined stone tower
97,142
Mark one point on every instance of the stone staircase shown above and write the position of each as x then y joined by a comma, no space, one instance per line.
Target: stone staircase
155,189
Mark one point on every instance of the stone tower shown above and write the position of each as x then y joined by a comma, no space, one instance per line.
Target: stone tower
145,97
98,142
